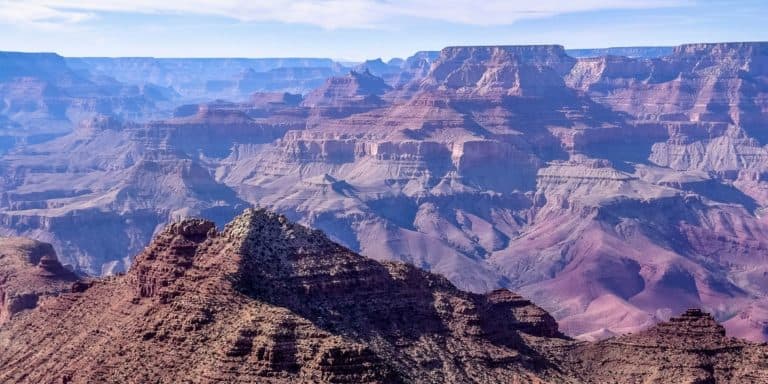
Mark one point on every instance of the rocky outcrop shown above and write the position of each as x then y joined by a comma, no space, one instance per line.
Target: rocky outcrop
268,300
285,304
29,274
695,350
513,70
703,94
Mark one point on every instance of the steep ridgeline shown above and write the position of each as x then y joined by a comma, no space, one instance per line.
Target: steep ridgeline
613,191
266,300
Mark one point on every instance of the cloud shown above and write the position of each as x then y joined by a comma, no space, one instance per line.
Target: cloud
330,14
36,14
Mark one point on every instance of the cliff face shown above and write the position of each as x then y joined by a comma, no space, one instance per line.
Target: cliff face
614,191
271,301
710,98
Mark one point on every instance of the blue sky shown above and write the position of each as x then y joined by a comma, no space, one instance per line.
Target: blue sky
360,29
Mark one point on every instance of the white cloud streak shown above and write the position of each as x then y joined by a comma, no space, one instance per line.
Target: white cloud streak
329,14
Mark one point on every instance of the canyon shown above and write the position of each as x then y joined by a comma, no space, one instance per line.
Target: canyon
613,191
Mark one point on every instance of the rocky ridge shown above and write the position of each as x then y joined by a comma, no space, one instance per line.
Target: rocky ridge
271,301
695,351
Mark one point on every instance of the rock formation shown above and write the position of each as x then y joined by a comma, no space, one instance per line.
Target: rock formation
30,273
695,351
273,301
267,300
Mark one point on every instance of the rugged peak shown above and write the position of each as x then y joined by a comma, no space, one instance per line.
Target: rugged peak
368,83
259,249
694,329
376,66
355,83
26,256
690,348
275,254
260,227
305,309
503,305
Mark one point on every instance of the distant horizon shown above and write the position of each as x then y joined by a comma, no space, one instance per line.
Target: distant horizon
356,30
342,60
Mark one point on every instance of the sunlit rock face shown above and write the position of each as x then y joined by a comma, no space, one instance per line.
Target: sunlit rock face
615,191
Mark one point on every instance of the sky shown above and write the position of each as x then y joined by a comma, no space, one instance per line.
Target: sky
363,29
